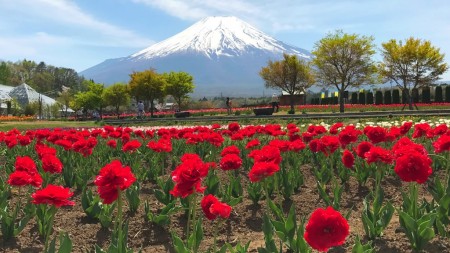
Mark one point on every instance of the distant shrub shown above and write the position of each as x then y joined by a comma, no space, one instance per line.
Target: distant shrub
354,98
396,96
370,98
362,98
415,95
447,93
388,97
378,97
438,94
426,95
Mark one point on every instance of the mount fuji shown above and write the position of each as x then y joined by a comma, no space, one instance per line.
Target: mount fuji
223,54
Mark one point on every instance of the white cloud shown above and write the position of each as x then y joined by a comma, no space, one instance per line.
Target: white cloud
65,14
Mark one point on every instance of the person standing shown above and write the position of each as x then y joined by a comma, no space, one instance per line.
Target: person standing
140,107
275,102
228,104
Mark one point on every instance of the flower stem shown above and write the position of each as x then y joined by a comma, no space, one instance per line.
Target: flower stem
119,219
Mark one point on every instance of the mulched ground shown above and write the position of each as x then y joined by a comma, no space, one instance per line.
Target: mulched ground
244,224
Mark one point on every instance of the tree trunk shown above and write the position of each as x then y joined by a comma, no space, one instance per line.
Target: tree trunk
292,103
151,108
179,104
341,101
117,112
410,100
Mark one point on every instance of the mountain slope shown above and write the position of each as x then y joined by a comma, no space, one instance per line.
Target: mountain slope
223,54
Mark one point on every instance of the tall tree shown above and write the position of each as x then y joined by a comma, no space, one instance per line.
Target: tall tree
179,85
5,73
291,75
117,95
147,85
344,60
65,98
415,64
93,99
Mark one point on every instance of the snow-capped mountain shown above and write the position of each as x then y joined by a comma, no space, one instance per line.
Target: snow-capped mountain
223,54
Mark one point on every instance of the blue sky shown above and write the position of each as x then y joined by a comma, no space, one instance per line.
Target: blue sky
79,34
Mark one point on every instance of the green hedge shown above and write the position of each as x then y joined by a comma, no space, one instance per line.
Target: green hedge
426,95
447,93
378,97
388,97
362,98
354,98
370,98
396,96
438,95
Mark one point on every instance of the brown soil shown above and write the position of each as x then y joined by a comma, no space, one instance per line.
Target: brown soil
244,224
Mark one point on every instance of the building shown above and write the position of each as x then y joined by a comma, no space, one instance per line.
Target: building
24,95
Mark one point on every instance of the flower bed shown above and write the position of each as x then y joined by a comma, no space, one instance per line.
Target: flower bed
228,184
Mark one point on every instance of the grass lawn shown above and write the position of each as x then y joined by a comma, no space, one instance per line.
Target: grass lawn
37,124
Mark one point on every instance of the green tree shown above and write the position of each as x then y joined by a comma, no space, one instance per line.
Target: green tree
344,60
147,85
93,99
178,85
117,95
64,99
411,65
5,73
291,75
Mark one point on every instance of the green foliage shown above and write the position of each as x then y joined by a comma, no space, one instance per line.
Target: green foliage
65,244
375,216
388,97
5,73
147,85
362,98
31,109
438,95
411,64
92,99
447,93
344,60
378,97
362,248
132,195
178,85
396,96
426,95
117,95
44,78
291,75
370,98
193,242
354,98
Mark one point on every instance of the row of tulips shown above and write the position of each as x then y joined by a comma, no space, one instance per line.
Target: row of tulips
201,168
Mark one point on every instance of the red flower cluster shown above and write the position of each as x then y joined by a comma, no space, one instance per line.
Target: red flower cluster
412,162
112,178
26,173
325,229
131,146
261,170
212,208
53,195
442,144
162,145
348,159
51,164
188,175
230,162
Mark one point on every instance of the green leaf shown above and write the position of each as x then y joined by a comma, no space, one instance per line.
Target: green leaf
65,244
178,244
409,222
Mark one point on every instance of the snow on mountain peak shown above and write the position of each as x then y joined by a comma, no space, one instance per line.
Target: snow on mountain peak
217,36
